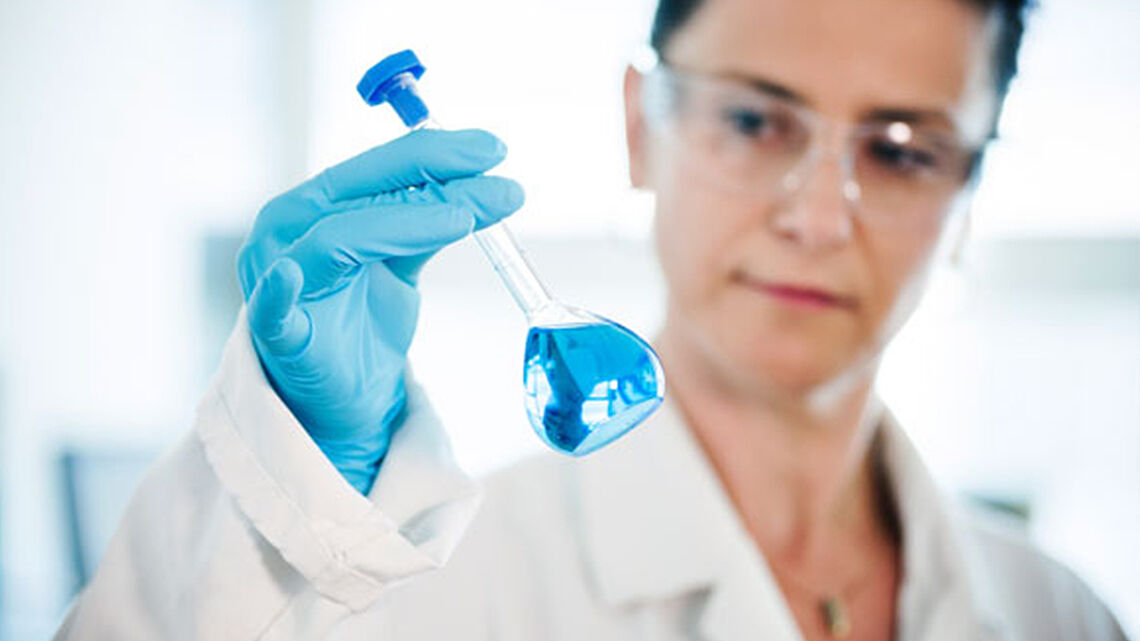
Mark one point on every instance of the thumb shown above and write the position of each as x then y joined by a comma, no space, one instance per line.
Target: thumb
274,317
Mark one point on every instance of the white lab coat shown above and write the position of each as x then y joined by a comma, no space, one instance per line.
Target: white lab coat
246,531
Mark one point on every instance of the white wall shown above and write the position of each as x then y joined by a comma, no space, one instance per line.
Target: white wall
126,129
1066,160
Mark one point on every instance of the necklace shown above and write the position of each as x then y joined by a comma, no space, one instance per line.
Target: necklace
835,616
833,604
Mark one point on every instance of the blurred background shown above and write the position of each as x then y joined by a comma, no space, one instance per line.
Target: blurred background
138,140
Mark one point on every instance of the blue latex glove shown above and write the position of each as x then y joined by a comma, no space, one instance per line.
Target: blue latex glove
329,276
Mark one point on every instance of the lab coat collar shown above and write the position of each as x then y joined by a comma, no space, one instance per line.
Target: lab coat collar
945,593
658,524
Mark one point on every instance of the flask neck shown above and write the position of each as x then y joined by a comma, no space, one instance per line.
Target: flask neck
428,122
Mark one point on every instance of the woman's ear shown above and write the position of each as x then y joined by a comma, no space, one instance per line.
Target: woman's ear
635,134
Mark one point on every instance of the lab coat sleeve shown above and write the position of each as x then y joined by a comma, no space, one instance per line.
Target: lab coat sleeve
246,531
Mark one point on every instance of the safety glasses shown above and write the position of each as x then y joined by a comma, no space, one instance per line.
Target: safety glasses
760,145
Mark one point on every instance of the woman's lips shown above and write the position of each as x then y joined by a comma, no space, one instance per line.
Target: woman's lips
799,295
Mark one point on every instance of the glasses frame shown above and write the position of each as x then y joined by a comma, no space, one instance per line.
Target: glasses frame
662,80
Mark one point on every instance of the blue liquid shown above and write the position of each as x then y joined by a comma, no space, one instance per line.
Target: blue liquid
588,384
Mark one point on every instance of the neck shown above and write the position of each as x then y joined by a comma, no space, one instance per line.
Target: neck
796,464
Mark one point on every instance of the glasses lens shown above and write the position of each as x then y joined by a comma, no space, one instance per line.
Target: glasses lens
907,174
738,135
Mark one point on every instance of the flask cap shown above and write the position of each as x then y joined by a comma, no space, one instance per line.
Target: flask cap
393,81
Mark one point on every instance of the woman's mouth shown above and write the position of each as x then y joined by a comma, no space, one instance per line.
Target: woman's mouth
798,294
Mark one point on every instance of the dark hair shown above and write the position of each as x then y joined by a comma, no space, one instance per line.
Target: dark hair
672,14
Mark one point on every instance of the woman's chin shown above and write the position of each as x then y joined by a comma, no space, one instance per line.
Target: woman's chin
791,365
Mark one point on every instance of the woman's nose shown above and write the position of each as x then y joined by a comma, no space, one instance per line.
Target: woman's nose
816,210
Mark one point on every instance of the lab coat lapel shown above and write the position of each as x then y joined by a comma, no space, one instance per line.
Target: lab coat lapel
944,595
657,524
747,604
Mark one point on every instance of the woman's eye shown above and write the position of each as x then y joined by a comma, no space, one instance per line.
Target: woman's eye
748,122
902,159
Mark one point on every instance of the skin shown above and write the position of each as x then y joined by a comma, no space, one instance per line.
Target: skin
780,396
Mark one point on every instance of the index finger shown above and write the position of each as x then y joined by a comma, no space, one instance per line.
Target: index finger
420,157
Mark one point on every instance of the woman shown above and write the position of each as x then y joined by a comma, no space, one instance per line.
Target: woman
811,161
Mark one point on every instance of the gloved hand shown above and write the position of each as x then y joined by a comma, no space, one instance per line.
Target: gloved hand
329,276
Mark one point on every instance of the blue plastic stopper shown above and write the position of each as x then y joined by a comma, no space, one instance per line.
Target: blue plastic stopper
392,81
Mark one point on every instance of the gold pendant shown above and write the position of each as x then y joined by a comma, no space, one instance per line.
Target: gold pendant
835,616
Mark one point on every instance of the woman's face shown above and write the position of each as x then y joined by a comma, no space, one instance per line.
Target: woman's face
735,263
